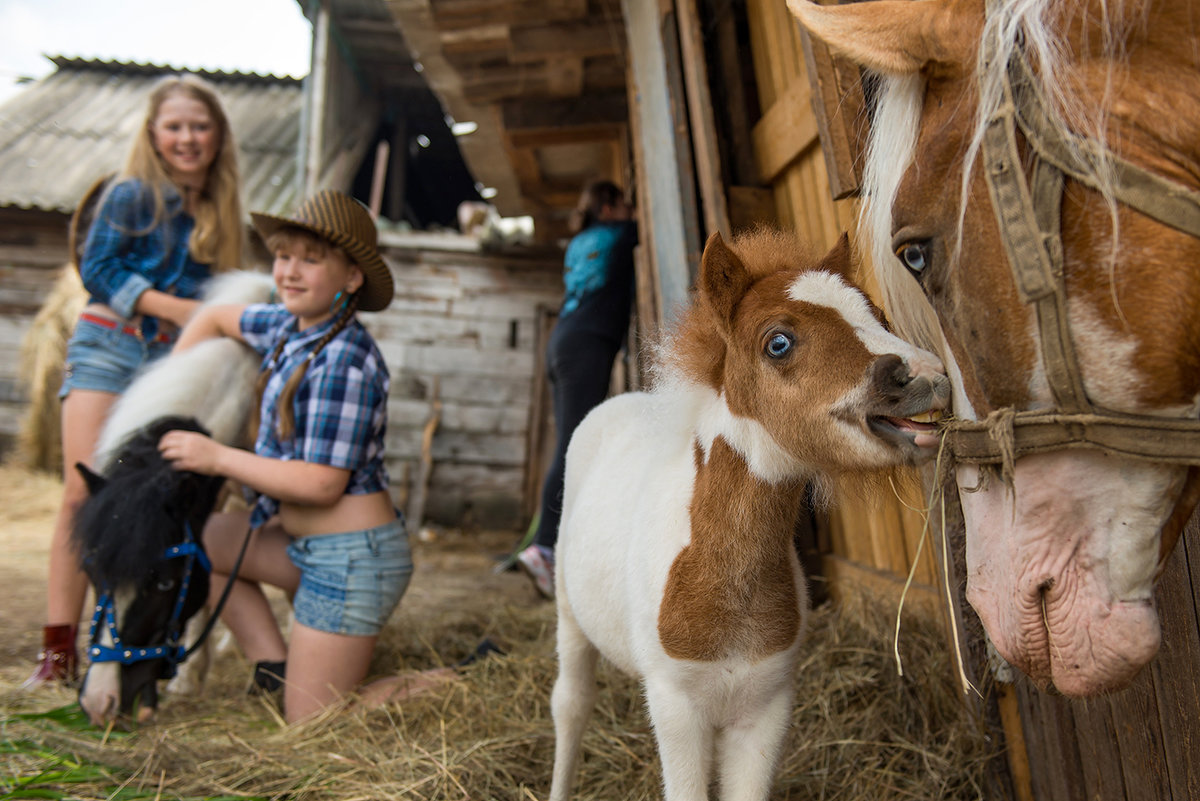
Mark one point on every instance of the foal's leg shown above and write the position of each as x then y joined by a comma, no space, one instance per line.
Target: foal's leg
749,748
685,741
573,698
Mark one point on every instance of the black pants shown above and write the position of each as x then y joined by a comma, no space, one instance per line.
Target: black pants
579,365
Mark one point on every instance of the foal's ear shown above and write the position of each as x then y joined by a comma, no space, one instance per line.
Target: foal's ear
95,482
723,277
839,260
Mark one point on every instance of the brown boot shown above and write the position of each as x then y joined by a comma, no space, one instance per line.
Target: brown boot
57,660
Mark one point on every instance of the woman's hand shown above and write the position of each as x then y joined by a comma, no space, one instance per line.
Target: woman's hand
165,306
189,450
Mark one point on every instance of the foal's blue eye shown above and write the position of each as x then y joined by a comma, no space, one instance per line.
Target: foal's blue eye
778,345
914,256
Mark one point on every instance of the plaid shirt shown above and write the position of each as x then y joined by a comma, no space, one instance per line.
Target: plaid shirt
340,407
126,254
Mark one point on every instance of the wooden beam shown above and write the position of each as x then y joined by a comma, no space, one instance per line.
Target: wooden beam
703,128
785,131
749,206
597,108
840,113
465,14
579,39
564,76
580,134
471,48
849,579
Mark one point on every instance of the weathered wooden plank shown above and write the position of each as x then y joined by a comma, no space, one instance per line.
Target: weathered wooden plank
577,38
785,132
509,418
840,112
598,108
847,578
1053,751
749,206
453,15
703,127
1174,671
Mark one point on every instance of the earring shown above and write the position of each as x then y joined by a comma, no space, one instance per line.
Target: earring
334,307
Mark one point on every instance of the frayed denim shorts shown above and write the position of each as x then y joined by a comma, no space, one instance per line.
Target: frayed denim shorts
350,583
103,359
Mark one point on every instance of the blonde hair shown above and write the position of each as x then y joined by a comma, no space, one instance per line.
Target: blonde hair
217,237
312,245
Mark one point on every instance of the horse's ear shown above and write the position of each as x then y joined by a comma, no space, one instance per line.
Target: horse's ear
95,482
894,37
723,278
839,259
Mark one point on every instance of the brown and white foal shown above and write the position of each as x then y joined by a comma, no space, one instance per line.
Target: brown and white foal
675,557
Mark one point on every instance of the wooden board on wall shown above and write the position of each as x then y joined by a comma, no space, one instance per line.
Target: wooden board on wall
840,112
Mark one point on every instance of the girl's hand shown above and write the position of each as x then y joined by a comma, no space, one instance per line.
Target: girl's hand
188,450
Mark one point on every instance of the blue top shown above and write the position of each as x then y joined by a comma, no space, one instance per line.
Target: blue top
126,254
598,279
592,260
340,407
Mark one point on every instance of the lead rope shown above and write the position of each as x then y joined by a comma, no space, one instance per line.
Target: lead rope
216,613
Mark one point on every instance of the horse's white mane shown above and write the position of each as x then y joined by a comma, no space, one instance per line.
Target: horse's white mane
212,381
1010,24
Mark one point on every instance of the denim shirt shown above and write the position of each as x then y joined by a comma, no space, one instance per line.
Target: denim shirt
126,254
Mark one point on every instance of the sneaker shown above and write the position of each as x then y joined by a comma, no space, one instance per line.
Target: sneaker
538,563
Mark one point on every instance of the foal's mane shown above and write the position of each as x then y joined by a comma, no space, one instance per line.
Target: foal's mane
123,528
1035,26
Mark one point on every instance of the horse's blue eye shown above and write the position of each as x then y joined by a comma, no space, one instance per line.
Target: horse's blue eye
913,255
779,345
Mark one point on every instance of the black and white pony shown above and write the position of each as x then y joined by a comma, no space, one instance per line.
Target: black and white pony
138,533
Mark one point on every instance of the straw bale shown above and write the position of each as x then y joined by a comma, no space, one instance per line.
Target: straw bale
43,349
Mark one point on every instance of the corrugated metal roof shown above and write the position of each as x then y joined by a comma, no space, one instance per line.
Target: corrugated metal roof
64,131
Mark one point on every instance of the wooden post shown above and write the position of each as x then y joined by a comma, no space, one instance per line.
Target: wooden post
420,490
319,76
379,177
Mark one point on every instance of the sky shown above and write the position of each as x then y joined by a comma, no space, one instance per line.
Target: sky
264,36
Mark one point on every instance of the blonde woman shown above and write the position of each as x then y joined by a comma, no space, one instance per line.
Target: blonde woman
169,220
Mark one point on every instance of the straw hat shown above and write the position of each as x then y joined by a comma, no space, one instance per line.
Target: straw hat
346,223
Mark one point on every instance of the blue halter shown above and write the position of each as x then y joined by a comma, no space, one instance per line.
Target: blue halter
171,651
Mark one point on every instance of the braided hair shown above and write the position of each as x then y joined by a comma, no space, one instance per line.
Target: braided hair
317,246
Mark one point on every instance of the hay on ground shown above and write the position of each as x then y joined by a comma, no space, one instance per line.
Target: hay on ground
859,730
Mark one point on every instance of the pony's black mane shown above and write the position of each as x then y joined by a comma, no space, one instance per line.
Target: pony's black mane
139,507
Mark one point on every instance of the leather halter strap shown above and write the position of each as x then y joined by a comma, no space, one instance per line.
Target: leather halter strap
1029,213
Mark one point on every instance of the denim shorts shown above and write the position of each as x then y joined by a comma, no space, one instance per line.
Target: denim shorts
350,583
105,359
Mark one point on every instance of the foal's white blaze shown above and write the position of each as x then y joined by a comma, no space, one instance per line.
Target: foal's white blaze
827,289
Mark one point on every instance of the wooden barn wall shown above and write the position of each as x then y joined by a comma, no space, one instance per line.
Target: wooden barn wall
33,247
462,340
871,544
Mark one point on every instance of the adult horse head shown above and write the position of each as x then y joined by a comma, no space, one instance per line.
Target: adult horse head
138,535
1032,196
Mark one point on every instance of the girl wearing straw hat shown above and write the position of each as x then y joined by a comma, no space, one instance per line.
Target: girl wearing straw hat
324,528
